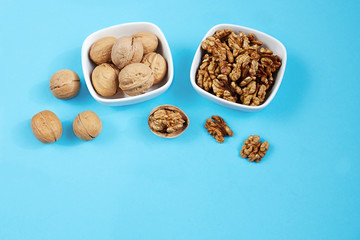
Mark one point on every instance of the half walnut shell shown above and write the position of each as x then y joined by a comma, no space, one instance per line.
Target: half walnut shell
168,121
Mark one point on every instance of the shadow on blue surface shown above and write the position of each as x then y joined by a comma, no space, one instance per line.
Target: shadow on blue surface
23,136
292,91
181,87
68,137
66,60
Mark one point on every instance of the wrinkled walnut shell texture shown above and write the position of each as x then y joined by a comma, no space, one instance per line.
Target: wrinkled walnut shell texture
87,125
64,84
149,41
172,134
46,127
136,79
100,51
127,50
158,65
105,79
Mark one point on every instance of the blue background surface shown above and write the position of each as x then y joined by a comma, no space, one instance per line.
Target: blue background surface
129,183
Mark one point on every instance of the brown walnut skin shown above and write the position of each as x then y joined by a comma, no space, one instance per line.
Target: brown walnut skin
46,127
136,79
149,41
100,51
172,134
126,50
87,125
104,79
158,65
236,68
218,128
64,84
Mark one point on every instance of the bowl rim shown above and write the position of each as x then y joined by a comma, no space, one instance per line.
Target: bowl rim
84,57
221,101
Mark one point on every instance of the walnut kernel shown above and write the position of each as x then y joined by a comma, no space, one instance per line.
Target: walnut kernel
254,149
235,68
217,127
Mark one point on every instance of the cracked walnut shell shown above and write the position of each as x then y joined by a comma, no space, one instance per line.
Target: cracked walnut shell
217,127
127,50
87,125
64,84
100,51
168,121
46,127
254,149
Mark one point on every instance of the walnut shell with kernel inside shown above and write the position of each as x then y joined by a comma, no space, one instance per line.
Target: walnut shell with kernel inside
87,125
46,127
168,121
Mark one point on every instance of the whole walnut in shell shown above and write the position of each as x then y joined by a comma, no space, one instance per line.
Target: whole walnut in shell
136,79
65,84
168,121
46,127
87,125
158,65
127,50
149,41
105,79
100,51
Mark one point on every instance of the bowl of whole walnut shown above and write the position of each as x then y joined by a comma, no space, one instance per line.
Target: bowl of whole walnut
127,63
238,67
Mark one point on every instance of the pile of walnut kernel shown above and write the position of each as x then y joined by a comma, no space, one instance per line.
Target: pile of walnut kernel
253,148
235,67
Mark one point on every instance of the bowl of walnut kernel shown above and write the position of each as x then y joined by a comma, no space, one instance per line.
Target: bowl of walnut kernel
238,67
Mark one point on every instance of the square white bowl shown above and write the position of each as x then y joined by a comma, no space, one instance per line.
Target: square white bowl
118,31
268,41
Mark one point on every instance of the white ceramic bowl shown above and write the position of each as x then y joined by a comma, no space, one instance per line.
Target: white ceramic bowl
127,29
269,42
